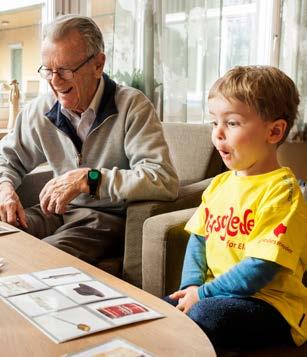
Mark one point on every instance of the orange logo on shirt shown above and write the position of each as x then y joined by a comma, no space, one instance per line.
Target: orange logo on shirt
280,229
229,224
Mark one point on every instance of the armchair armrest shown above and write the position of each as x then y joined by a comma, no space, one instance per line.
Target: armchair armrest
164,244
32,185
137,212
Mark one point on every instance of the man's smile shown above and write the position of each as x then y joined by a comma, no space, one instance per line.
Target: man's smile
65,91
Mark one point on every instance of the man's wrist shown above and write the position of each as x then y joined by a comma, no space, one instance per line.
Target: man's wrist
94,181
7,184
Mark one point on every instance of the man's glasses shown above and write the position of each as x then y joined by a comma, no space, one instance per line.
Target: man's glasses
66,74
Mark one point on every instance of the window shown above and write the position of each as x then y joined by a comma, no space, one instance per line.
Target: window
103,13
200,43
122,25
293,58
20,43
16,62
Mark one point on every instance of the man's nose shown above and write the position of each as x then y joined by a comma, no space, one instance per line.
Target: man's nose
55,77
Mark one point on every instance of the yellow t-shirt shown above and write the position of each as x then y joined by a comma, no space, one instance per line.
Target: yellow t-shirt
261,216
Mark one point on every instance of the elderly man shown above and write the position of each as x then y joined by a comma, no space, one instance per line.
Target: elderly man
103,142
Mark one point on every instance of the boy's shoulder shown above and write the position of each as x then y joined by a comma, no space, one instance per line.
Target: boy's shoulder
282,190
221,178
217,181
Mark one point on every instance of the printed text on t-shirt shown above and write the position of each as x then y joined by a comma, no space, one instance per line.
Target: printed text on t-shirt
229,224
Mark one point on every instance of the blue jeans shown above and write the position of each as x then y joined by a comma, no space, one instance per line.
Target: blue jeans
239,322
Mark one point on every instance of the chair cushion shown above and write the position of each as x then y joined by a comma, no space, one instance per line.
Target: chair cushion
191,150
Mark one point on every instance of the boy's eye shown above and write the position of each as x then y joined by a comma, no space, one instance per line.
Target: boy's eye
232,123
213,123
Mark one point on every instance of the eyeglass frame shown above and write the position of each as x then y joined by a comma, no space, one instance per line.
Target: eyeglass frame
72,71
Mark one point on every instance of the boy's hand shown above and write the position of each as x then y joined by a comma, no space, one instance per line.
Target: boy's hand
186,298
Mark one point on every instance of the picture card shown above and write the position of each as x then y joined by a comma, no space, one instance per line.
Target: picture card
19,284
60,276
123,311
41,302
65,303
115,348
6,230
69,324
88,291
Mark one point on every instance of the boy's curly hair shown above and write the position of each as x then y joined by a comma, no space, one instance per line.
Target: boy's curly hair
265,88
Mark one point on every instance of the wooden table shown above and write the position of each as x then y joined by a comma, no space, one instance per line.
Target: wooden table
174,335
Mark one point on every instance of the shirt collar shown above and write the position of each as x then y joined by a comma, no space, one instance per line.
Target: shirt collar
97,97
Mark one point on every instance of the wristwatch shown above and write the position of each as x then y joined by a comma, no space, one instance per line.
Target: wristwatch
93,180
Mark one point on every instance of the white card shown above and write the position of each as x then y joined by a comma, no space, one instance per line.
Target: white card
41,302
123,311
19,284
114,348
59,276
89,291
69,324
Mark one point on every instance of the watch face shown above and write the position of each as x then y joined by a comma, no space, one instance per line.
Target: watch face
93,175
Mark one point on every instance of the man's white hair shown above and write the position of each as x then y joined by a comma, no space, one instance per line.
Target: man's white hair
91,33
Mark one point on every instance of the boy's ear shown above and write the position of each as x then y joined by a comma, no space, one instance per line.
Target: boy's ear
277,131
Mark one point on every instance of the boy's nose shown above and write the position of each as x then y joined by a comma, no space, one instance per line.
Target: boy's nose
218,132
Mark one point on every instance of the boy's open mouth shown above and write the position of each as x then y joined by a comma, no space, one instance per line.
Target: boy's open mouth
224,154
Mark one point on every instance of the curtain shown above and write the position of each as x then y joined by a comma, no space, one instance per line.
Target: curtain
186,59
195,41
174,50
293,57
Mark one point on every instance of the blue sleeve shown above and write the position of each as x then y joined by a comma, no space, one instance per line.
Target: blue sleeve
195,263
242,280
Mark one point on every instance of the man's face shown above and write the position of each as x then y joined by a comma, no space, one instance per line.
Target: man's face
68,53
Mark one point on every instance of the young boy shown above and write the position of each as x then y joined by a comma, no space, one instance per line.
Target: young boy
243,268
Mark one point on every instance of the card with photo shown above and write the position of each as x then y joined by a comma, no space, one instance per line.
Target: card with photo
124,311
115,348
60,276
6,230
89,291
69,324
65,303
41,302
19,284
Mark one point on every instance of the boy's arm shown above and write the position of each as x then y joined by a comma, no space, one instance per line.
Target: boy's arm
195,263
242,280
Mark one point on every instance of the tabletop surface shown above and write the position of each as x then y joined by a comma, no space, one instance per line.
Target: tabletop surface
173,335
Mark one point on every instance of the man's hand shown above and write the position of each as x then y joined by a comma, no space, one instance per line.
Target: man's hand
60,191
186,298
11,210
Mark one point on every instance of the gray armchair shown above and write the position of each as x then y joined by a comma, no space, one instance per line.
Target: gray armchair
164,238
164,245
195,160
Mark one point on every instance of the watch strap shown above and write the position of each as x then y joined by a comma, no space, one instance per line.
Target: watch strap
93,180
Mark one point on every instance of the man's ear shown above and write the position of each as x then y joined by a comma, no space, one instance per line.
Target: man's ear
100,59
277,131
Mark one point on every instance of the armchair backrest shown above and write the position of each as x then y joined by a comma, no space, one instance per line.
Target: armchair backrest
192,151
293,155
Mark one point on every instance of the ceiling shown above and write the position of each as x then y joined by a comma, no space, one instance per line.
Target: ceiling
21,17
